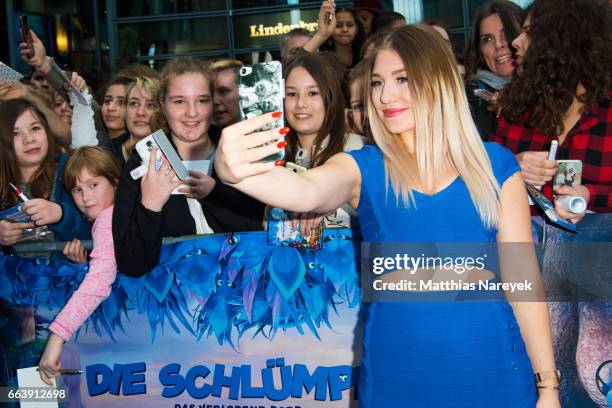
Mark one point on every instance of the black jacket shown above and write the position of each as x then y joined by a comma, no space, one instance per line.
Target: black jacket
138,232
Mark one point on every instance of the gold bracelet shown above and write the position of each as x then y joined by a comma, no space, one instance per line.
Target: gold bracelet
547,375
548,387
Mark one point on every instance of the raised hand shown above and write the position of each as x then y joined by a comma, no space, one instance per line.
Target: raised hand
326,19
13,90
157,185
39,59
535,168
241,146
77,81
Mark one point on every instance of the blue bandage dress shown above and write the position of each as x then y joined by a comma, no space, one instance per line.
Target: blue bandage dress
437,354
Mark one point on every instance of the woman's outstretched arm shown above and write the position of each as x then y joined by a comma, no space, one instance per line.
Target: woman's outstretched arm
320,190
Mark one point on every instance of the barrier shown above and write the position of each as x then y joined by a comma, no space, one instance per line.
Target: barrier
223,320
226,321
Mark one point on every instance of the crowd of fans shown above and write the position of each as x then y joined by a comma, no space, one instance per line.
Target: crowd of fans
547,70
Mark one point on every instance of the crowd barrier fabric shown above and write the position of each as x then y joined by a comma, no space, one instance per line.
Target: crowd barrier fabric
225,321
222,321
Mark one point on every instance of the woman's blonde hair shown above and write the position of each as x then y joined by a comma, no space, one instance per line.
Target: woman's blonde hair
152,87
149,85
98,161
444,130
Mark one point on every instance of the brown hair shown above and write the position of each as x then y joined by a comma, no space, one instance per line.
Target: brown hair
511,16
569,44
180,66
98,161
136,70
41,184
358,73
330,86
358,41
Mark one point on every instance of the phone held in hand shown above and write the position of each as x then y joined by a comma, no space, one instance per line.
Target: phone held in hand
160,140
283,228
484,94
26,37
67,81
568,173
261,90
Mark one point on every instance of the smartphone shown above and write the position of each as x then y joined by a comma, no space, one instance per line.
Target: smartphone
66,80
26,37
569,173
261,90
484,94
160,140
296,168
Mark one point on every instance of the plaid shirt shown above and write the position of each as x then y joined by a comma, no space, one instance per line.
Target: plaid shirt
590,140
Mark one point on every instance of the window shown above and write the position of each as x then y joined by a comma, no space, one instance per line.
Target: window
182,36
135,8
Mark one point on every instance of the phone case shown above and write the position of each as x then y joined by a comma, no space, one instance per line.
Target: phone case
569,173
484,94
280,226
25,34
260,90
73,88
14,214
164,146
281,231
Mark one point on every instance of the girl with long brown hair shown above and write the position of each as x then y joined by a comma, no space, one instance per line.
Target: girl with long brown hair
30,160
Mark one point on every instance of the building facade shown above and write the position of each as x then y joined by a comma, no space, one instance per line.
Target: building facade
104,35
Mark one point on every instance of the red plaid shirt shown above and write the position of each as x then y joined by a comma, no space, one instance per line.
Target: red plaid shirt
590,141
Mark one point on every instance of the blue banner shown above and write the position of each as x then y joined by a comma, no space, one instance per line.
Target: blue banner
222,321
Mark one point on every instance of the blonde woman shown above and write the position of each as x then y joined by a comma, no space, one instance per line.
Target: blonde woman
142,108
428,179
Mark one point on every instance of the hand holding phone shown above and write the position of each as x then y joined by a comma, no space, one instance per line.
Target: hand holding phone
68,83
26,36
484,94
260,90
326,18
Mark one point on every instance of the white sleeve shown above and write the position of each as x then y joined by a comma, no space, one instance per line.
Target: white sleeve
83,127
